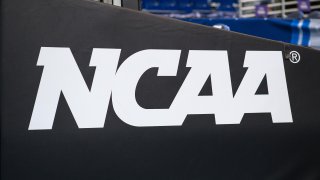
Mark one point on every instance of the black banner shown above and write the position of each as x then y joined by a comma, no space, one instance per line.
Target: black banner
93,91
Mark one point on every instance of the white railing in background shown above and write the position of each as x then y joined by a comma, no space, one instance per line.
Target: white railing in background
280,8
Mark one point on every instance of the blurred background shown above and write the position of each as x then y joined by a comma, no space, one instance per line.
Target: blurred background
291,21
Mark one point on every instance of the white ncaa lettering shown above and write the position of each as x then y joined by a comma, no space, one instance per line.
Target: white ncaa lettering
89,107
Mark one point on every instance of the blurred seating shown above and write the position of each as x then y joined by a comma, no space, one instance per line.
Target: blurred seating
151,4
176,5
221,8
168,4
227,5
314,15
295,15
186,5
201,5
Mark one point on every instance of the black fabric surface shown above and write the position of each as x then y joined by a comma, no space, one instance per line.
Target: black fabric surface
199,149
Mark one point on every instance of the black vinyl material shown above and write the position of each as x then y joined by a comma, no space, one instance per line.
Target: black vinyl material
199,149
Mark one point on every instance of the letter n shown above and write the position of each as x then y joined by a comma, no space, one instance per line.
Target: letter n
62,75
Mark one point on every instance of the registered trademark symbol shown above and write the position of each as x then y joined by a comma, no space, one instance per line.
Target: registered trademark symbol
294,57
